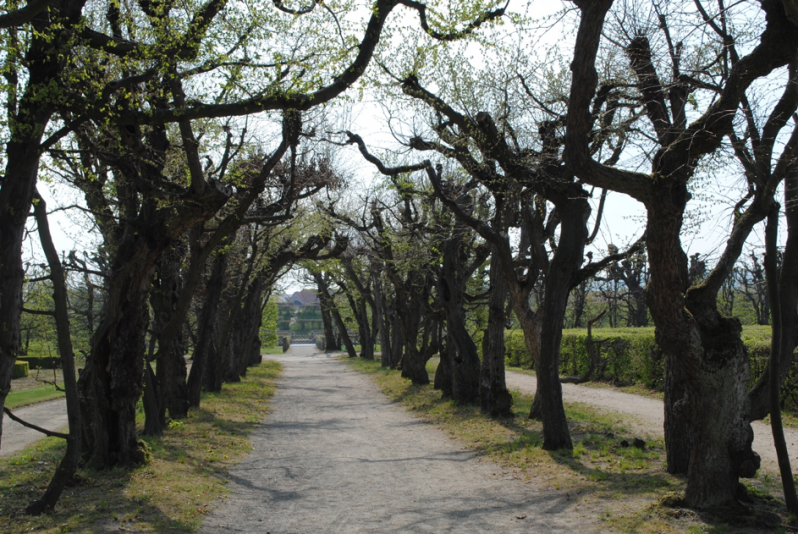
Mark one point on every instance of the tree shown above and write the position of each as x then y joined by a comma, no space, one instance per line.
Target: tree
707,430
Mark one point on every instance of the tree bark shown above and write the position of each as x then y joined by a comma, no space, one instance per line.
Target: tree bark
172,373
464,362
495,400
204,346
330,343
380,311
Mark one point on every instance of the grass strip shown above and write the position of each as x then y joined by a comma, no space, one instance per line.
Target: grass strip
621,483
172,493
25,397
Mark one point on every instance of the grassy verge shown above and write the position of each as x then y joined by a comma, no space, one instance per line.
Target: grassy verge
25,397
603,475
170,494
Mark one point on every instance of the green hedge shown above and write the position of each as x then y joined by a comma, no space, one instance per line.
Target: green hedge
43,362
632,356
20,370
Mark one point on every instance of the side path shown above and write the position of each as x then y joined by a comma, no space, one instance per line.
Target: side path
646,416
336,456
50,415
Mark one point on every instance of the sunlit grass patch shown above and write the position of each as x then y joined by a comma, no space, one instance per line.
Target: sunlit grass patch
170,494
25,397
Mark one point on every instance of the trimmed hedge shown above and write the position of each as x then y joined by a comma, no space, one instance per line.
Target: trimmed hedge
631,356
20,370
41,362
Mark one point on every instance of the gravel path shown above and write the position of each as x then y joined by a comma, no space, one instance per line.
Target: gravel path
50,415
645,416
336,456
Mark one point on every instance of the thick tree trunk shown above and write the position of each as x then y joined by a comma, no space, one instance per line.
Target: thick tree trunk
464,362
358,307
114,369
495,400
204,346
330,343
443,373
383,322
678,440
397,337
639,309
413,364
154,416
366,337
216,362
171,374
721,434
708,361
246,329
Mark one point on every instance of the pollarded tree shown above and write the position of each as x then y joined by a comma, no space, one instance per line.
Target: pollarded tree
707,430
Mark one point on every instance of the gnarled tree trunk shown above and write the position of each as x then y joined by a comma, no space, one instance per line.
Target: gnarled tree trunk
495,400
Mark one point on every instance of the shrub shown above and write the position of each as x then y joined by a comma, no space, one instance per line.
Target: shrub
42,362
21,369
631,356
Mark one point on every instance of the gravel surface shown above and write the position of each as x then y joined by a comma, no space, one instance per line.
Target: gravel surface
645,416
336,456
50,415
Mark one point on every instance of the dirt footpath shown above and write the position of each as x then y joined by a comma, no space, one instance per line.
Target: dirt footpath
50,415
336,456
645,416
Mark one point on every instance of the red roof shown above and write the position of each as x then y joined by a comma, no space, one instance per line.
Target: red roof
305,297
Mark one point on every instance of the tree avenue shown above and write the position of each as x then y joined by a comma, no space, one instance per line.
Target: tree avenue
207,148
116,76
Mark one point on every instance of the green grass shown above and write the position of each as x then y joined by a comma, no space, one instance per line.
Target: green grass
183,481
25,397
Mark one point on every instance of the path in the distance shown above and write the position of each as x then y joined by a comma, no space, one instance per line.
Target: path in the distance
646,416
50,415
336,456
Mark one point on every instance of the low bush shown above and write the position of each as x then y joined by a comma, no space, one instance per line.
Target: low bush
632,356
41,362
21,370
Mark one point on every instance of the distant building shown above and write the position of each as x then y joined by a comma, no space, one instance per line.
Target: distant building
306,297
300,312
